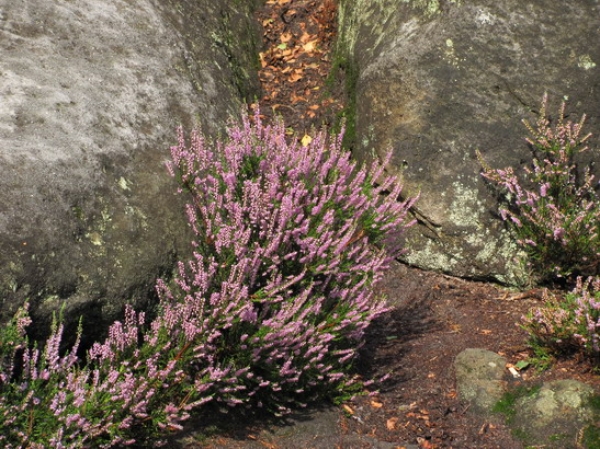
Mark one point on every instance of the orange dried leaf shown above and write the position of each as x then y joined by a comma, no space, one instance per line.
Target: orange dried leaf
306,37
296,98
348,409
424,444
391,423
268,445
263,61
376,404
310,46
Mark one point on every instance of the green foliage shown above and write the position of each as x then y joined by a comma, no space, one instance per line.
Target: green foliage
591,434
541,360
591,437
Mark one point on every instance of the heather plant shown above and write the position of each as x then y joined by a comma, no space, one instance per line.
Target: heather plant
290,240
270,310
568,324
134,385
553,205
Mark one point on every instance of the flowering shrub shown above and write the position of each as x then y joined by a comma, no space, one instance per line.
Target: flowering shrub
135,384
285,259
270,310
553,209
571,323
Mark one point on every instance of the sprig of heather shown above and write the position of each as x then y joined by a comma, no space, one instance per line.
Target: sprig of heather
569,324
553,208
290,240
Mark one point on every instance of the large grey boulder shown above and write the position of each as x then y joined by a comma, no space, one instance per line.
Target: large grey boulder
436,80
92,92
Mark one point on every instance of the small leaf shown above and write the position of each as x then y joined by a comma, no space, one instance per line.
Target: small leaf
348,409
391,423
306,140
296,76
310,46
521,364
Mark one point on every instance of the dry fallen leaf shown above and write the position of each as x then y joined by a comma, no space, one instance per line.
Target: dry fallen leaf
306,37
296,76
348,409
424,444
263,62
296,98
391,423
376,404
268,445
306,140
310,46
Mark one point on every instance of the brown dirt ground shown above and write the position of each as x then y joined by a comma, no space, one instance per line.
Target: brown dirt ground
433,316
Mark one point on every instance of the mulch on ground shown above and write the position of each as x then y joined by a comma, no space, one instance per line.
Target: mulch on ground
298,37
